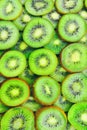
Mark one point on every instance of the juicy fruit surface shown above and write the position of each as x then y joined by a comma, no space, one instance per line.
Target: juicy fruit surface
43,64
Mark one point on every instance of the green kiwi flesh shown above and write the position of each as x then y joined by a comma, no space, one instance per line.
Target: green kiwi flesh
73,57
12,63
42,62
18,118
38,32
3,108
72,27
77,116
50,118
14,92
74,88
46,90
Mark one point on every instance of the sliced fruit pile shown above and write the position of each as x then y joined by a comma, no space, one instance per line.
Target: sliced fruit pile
43,64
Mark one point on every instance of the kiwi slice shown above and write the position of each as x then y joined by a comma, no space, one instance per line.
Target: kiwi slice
38,32
10,9
83,40
46,90
14,92
12,63
2,79
3,108
59,74
74,88
9,35
43,62
69,6
74,57
28,76
77,116
86,3
39,7
18,118
56,44
70,127
72,27
32,104
23,1
22,20
50,118
63,103
83,14
53,17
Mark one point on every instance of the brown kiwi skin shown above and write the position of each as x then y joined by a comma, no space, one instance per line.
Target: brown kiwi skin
45,108
62,64
38,99
27,87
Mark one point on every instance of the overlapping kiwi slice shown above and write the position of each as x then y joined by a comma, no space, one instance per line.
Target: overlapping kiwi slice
46,90
63,103
38,32
53,17
72,27
10,9
69,6
3,108
9,35
70,127
56,44
14,92
2,79
73,57
43,62
39,7
74,88
18,118
77,115
50,118
83,14
12,63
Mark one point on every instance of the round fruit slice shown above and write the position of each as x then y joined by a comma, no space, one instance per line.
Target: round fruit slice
86,3
69,6
74,88
12,63
14,92
46,90
63,103
18,119
83,14
38,32
50,118
77,116
3,108
9,35
74,57
72,27
10,9
43,62
39,7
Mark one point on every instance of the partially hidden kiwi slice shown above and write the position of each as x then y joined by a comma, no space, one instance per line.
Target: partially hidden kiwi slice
38,32
74,88
56,44
43,62
59,74
3,108
32,104
22,20
14,92
83,14
50,118
28,76
18,118
39,7
70,127
85,3
72,27
2,79
53,17
46,90
9,35
69,6
83,40
23,1
63,103
10,9
77,116
74,57
12,63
